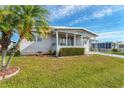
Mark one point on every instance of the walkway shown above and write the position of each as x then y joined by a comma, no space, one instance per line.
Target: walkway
104,54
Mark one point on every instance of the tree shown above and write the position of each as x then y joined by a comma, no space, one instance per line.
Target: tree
21,19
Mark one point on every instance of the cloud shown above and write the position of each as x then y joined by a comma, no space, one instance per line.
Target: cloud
100,12
111,35
59,12
121,21
79,20
107,10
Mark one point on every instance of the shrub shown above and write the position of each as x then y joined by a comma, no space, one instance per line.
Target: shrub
71,51
50,52
114,50
17,53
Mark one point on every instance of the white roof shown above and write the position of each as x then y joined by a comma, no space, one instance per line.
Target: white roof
78,28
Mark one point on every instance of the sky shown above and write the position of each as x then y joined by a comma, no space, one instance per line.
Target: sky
105,20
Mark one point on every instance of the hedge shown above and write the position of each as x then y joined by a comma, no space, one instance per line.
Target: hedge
71,51
114,50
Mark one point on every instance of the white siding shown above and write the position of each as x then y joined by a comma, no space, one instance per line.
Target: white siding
25,44
44,46
49,43
86,46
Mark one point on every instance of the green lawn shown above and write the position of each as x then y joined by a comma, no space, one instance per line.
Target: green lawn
81,71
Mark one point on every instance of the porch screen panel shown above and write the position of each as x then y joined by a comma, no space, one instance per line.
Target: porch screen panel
62,38
78,40
70,39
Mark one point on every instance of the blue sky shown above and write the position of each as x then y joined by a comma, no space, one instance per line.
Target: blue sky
105,20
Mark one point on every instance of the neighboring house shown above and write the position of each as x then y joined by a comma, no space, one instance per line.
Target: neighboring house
59,37
107,46
120,46
102,46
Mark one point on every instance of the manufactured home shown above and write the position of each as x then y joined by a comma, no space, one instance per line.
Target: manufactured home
59,37
120,46
107,46
102,46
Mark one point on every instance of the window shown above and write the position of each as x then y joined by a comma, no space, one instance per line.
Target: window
38,38
121,46
106,46
103,45
109,44
70,39
62,41
62,38
93,45
98,45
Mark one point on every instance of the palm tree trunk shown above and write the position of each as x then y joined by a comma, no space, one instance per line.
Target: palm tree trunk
9,60
12,54
4,52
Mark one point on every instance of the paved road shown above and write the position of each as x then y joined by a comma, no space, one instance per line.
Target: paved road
112,55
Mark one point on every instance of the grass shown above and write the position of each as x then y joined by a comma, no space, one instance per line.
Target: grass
117,53
76,72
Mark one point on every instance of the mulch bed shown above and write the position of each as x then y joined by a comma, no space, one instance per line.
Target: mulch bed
8,72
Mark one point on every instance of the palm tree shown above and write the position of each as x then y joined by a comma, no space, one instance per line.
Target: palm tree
24,19
7,23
